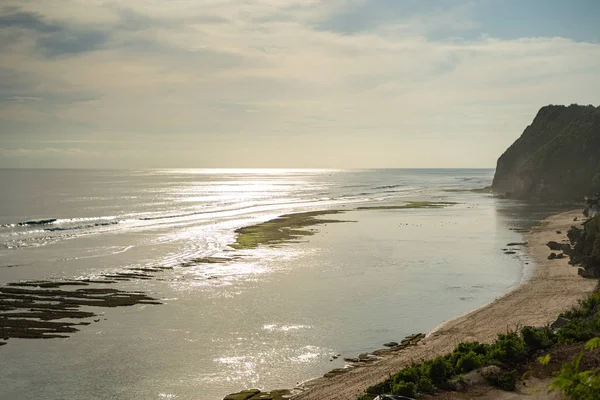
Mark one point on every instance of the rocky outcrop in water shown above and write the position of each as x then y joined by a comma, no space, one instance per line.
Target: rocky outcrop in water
556,158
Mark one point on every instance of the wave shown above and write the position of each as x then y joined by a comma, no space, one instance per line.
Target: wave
83,219
38,222
387,187
71,228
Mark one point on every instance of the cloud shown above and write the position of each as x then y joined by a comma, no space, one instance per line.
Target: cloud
53,39
300,81
26,20
25,152
410,16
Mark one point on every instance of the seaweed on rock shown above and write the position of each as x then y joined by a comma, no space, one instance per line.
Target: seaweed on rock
37,310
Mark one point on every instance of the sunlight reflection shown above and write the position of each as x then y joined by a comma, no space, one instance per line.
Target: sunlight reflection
244,171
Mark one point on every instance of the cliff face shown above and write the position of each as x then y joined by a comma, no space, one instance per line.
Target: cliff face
556,158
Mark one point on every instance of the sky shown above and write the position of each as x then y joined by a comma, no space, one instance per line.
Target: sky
285,83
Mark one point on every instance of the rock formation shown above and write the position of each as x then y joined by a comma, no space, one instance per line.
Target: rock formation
556,158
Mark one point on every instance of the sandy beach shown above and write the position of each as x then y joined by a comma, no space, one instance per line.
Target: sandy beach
553,288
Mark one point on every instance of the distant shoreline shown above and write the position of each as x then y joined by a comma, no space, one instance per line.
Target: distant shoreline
554,287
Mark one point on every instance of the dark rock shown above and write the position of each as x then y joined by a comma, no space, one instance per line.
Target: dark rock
560,255
575,219
39,313
491,372
510,252
458,384
552,256
335,372
559,323
366,357
243,395
390,344
590,272
559,232
517,244
564,247
383,352
556,157
211,260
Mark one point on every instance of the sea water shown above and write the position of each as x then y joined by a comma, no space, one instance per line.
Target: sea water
275,316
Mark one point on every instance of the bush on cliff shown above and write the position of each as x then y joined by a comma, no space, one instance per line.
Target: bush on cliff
578,383
538,338
429,376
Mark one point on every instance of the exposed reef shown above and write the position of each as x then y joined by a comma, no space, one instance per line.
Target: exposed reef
255,394
362,360
286,228
411,204
35,310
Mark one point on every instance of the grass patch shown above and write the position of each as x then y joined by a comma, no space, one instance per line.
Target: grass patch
282,229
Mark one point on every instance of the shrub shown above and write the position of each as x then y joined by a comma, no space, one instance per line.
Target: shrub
381,387
425,385
538,338
405,389
575,331
509,349
576,384
410,374
507,380
475,347
439,371
470,361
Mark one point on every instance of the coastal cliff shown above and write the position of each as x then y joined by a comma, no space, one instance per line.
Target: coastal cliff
556,158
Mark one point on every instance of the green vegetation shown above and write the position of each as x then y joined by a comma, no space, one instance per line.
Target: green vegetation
279,230
575,382
509,355
411,204
432,375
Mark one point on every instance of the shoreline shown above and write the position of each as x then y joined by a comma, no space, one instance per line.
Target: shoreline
553,287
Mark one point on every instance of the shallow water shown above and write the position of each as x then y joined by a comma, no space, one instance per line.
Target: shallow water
269,320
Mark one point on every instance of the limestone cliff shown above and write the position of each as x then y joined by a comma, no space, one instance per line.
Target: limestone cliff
556,158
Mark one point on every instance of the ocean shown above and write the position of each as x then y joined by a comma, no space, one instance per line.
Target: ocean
270,317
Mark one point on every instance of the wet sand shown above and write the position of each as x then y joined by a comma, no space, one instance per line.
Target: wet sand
554,287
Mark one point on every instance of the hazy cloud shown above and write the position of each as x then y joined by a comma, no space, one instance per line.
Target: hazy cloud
53,38
278,83
21,152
